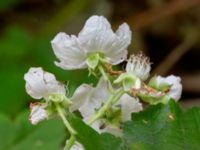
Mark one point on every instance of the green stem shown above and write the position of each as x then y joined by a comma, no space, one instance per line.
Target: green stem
105,76
111,100
70,143
67,124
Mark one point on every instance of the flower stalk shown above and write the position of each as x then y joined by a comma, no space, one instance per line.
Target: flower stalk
106,78
65,121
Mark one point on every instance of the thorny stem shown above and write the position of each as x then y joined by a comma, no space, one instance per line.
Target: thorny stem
111,100
65,121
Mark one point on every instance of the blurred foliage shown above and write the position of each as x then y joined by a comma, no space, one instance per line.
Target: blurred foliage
7,4
21,135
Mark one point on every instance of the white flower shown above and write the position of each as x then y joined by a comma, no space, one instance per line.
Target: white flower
175,83
41,84
76,146
95,37
87,100
38,113
139,66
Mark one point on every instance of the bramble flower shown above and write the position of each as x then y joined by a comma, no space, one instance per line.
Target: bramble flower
38,112
41,84
88,100
172,83
95,42
139,65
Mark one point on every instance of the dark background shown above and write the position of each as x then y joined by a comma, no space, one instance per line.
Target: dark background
168,31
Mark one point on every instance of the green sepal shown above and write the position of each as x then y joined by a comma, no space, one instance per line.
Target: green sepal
153,100
93,60
160,87
128,81
58,98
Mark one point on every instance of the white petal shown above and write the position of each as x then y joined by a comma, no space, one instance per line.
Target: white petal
118,52
68,50
76,146
113,130
38,113
128,106
100,94
80,97
117,57
176,86
96,98
95,23
96,35
42,84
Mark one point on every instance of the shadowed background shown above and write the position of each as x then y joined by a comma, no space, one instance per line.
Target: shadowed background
168,31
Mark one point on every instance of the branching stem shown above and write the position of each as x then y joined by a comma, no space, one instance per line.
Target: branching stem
111,100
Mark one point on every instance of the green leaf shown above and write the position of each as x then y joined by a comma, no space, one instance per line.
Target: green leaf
91,140
21,135
13,96
15,43
164,127
7,132
48,135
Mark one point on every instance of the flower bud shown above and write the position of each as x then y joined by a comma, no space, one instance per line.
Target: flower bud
170,85
38,113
